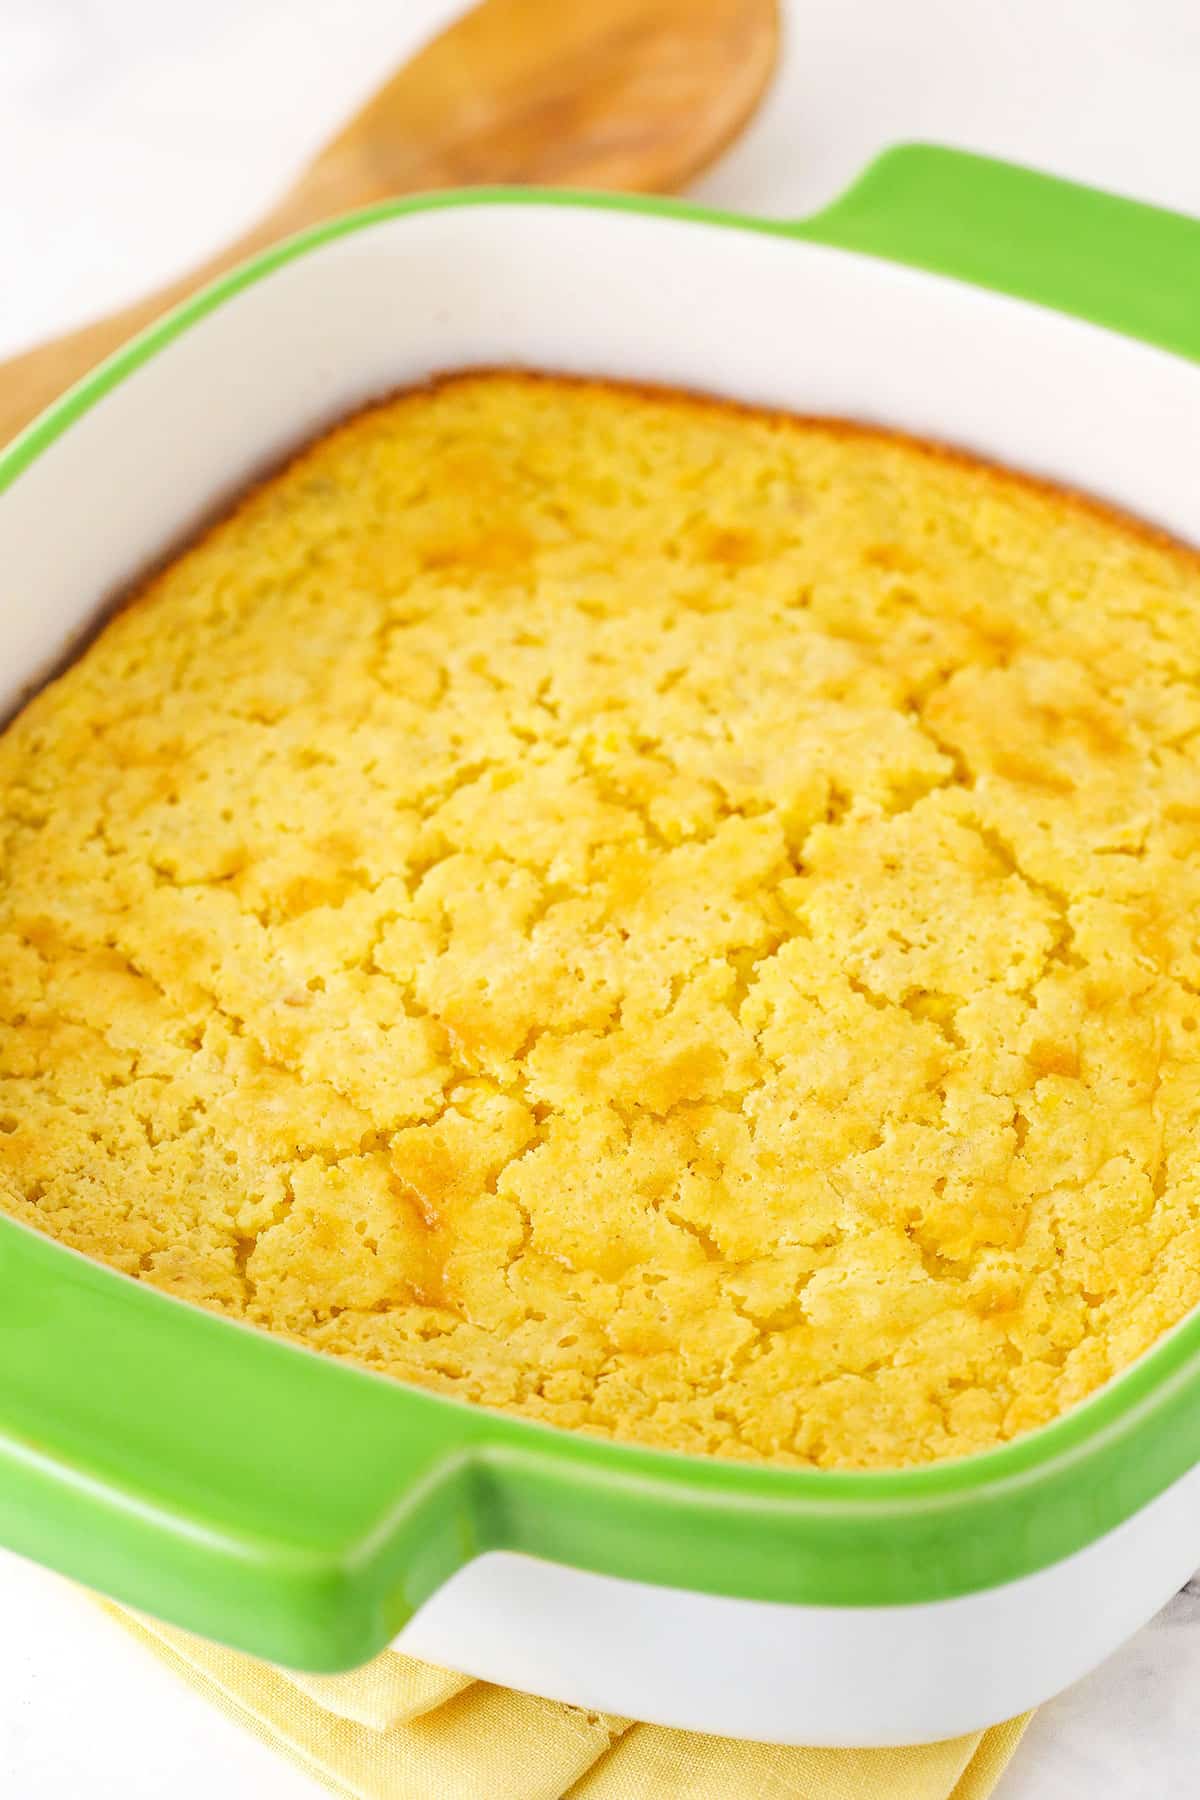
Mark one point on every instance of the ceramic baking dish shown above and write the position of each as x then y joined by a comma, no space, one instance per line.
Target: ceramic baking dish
297,1508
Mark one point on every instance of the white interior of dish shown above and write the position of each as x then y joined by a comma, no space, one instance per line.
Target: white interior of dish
756,318
670,301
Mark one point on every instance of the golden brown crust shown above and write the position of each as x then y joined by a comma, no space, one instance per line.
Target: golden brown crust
667,917
226,510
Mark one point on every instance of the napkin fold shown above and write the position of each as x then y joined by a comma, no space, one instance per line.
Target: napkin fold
400,1729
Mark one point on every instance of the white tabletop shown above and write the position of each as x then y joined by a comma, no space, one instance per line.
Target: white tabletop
134,137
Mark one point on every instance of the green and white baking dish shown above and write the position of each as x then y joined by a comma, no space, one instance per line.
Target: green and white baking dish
311,1513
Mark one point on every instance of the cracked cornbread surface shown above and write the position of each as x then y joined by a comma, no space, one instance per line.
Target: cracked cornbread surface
675,921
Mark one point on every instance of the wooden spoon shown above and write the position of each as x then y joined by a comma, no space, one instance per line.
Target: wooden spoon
636,94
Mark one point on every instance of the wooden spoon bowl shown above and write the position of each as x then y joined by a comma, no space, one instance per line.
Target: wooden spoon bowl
633,94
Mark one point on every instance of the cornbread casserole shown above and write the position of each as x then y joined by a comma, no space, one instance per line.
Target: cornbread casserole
673,920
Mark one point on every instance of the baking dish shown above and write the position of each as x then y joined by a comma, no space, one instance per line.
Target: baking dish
311,1513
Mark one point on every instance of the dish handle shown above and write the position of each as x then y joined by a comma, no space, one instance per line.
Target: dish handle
219,1478
1114,262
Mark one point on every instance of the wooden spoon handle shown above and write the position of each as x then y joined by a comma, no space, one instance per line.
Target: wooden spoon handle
31,380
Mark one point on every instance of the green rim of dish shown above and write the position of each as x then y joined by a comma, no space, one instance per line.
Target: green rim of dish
301,1509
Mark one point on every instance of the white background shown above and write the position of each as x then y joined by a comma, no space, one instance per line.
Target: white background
135,135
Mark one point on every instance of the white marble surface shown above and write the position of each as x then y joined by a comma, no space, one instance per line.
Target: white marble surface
134,136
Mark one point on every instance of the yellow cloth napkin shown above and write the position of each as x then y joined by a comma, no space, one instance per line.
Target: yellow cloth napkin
399,1729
